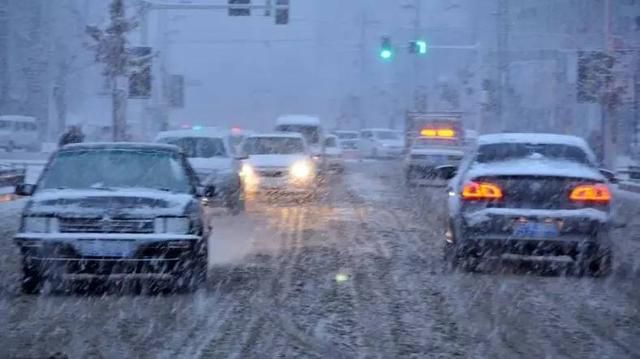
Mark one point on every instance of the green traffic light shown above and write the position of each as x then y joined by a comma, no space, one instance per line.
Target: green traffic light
421,46
386,54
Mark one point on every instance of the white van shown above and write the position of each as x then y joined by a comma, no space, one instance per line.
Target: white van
19,132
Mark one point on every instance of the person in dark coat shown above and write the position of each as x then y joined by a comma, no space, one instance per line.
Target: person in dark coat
74,135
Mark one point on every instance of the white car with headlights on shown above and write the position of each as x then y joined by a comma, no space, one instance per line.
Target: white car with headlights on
114,211
278,162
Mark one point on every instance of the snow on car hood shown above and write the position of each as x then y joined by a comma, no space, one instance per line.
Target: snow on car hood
535,167
275,160
211,164
142,202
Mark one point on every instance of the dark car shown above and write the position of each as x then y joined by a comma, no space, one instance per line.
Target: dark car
529,195
116,210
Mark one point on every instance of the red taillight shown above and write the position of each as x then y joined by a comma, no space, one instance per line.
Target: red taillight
481,191
590,193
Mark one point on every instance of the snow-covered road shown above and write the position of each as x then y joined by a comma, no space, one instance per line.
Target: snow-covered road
355,273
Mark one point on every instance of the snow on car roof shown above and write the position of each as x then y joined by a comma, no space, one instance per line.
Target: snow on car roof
121,145
205,132
533,138
277,134
298,120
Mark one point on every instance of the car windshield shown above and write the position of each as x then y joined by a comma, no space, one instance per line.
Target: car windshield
330,142
310,133
199,147
273,146
387,135
512,151
116,168
347,135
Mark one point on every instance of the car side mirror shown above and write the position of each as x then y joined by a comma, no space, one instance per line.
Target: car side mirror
207,191
25,189
609,175
446,172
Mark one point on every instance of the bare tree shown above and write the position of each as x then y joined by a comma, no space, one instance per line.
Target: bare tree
110,46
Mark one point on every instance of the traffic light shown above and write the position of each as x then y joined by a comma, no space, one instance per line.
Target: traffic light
386,50
418,47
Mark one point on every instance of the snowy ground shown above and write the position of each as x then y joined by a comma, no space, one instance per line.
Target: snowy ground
355,273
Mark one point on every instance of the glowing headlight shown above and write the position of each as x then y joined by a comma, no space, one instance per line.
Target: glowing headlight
301,170
39,225
247,170
172,225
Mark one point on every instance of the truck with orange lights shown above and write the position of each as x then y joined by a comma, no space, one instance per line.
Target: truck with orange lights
433,139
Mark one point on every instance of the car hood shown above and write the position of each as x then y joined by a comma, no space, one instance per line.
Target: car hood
211,164
275,160
535,167
138,203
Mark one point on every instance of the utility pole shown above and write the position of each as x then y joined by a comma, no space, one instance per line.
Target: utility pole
4,49
503,61
419,97
607,120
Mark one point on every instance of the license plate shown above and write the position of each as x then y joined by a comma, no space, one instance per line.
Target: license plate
105,248
270,182
535,230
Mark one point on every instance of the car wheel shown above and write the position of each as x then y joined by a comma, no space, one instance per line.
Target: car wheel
32,278
596,266
237,204
194,273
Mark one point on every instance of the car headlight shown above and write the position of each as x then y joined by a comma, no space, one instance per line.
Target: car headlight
40,225
301,170
247,170
172,225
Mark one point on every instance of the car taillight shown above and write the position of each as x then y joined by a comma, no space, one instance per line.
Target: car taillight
590,193
481,191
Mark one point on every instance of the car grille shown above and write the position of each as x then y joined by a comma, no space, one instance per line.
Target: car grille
101,225
266,173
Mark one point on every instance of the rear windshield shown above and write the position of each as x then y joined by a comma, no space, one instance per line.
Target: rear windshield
511,151
117,168
199,147
273,146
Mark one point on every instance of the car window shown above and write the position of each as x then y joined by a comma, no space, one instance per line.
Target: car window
509,151
108,169
199,147
387,135
273,146
330,142
310,133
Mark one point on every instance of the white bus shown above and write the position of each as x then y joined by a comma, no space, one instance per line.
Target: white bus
19,132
